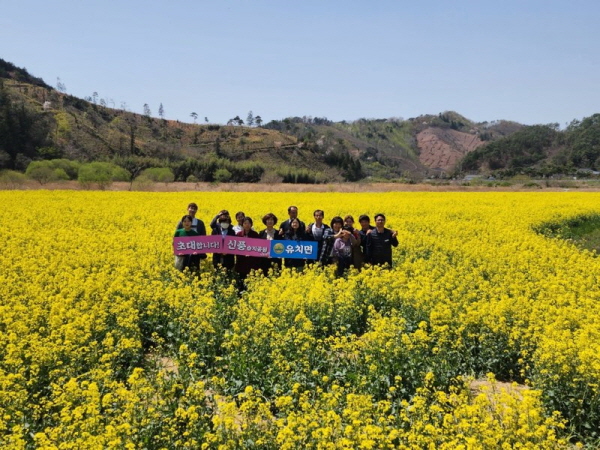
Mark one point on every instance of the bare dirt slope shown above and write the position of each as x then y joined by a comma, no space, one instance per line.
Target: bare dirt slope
443,148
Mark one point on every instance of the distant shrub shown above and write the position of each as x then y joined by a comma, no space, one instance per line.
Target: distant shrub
302,176
41,171
222,175
159,174
520,179
11,179
99,173
52,170
568,185
565,184
192,179
120,174
142,183
71,168
60,175
478,182
532,184
271,177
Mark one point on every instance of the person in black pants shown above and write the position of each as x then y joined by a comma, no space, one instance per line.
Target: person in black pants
365,229
326,256
223,228
380,242
316,231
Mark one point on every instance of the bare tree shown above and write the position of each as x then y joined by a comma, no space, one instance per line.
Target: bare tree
60,86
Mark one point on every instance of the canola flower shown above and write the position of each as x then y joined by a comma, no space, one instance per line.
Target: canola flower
103,344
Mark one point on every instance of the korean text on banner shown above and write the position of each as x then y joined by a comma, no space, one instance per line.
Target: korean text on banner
294,249
246,246
197,244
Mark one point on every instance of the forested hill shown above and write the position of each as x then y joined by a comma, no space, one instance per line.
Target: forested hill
39,122
428,145
541,150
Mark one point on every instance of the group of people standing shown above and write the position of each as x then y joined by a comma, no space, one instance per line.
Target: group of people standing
337,243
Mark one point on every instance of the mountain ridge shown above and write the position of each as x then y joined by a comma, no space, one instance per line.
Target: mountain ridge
40,122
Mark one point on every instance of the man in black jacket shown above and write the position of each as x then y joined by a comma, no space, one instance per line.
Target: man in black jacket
197,225
380,242
285,225
316,231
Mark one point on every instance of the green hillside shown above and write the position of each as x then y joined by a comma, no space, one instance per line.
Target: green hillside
380,148
541,150
38,122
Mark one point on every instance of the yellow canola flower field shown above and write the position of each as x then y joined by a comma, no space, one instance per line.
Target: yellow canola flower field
103,344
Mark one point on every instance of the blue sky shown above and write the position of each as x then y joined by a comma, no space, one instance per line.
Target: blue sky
530,61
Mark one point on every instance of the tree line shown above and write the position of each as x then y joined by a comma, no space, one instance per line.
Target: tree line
541,150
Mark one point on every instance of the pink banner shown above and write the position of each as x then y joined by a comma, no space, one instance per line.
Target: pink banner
246,246
197,244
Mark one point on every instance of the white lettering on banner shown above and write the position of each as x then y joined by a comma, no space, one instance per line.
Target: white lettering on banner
180,246
298,249
191,245
241,245
214,245
289,249
231,245
308,249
